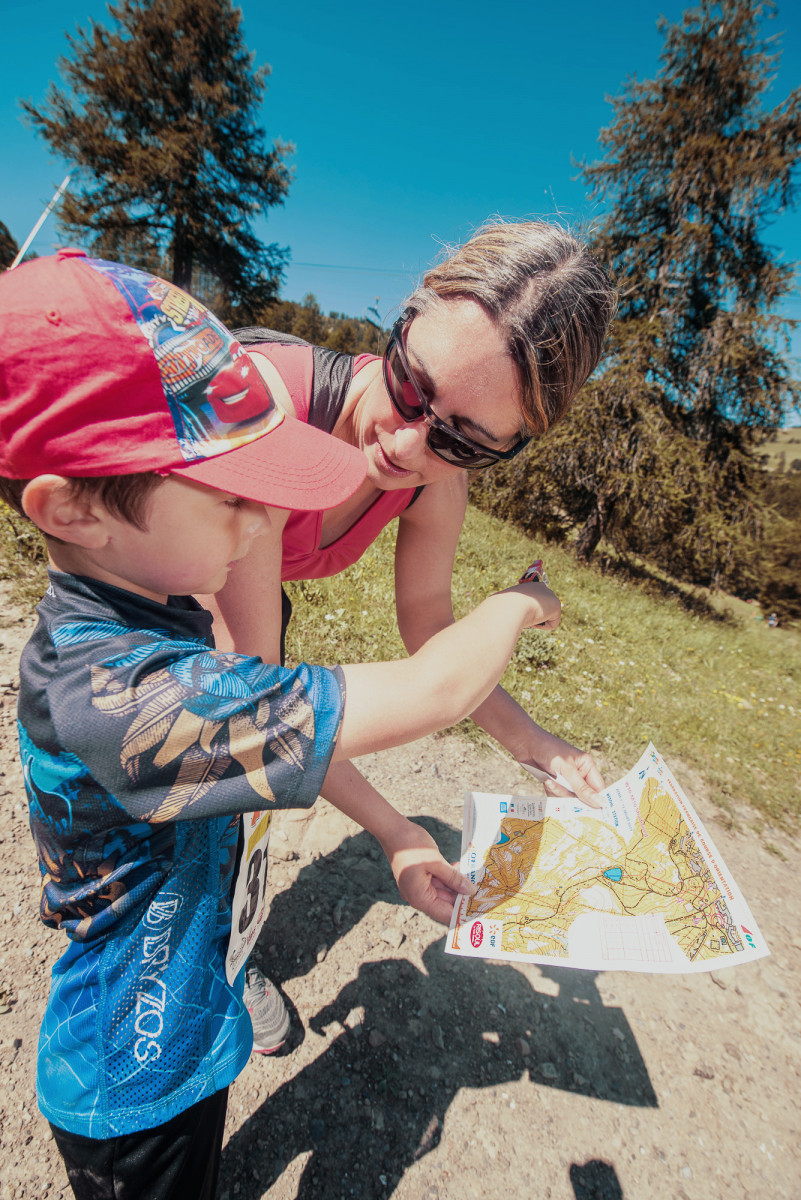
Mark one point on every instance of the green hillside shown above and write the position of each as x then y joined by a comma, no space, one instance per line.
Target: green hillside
782,450
718,689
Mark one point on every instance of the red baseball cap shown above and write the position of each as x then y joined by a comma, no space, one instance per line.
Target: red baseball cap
108,370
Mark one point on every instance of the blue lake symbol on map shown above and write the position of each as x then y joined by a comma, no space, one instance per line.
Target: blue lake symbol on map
614,873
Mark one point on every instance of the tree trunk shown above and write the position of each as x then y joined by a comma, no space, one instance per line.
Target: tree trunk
593,529
181,256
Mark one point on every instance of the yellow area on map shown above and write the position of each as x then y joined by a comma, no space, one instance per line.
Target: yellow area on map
541,875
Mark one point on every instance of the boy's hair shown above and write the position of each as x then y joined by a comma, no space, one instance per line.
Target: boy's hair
124,496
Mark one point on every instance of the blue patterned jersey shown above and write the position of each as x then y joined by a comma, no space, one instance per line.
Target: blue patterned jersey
141,745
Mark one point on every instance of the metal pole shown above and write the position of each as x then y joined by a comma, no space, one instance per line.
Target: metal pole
59,193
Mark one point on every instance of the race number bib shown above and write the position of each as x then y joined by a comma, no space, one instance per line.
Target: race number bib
249,907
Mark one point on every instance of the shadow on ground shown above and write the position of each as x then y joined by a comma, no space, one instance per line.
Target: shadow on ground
689,597
595,1180
375,1101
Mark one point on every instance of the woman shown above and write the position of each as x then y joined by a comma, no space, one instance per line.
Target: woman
488,353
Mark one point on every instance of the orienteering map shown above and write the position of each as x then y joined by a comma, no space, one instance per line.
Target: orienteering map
636,885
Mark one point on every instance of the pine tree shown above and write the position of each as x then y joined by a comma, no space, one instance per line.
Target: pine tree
658,453
161,118
309,322
695,168
8,247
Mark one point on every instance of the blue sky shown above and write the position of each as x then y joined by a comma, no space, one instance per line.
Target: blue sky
412,123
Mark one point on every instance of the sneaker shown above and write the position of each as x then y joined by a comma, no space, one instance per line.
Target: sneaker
267,1012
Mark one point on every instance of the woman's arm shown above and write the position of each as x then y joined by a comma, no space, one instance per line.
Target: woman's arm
426,548
247,611
425,551
505,720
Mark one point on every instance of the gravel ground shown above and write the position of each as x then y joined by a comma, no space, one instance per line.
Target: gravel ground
416,1075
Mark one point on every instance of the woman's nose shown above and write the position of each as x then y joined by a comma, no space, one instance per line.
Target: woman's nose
410,441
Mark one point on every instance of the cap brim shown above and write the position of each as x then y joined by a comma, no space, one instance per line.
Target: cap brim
292,466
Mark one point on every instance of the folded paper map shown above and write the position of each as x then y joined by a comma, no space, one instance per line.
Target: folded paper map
634,886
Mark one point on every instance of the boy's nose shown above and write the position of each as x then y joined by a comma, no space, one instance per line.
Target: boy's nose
258,519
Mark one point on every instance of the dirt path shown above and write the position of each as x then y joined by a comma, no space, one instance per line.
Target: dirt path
415,1075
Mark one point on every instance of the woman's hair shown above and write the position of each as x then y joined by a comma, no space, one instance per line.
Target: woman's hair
546,293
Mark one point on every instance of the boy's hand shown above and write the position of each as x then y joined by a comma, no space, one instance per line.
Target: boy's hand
546,613
425,880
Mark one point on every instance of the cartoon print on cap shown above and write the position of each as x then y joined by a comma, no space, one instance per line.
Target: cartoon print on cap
217,398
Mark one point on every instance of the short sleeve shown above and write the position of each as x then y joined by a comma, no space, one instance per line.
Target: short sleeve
175,730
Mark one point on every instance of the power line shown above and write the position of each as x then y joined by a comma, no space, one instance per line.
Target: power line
344,267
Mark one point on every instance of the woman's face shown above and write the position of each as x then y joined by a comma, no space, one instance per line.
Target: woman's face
461,366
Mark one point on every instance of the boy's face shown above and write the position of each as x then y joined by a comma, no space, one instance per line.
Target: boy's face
194,535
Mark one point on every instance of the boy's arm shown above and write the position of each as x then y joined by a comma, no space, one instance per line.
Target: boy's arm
392,703
425,880
446,679
388,704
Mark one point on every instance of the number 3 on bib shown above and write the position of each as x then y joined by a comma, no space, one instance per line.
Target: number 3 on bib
249,906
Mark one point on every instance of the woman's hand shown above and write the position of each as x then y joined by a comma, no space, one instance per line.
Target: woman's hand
577,767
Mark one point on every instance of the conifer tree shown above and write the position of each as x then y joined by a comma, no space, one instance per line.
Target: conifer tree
161,118
8,247
658,452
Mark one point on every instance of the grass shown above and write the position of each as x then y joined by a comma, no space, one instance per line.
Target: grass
698,676
628,665
23,558
782,449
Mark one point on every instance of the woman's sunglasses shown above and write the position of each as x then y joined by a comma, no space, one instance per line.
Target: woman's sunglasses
442,439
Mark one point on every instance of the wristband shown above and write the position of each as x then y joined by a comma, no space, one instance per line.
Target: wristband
534,574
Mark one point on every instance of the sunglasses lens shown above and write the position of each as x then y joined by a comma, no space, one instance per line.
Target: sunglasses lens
402,392
452,450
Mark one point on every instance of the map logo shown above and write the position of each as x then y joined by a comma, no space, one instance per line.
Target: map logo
476,934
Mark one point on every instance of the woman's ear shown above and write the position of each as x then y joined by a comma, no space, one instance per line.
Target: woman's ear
58,509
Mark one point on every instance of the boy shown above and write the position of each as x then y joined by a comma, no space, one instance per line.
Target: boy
135,434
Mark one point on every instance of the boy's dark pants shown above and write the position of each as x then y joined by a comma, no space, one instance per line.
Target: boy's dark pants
176,1161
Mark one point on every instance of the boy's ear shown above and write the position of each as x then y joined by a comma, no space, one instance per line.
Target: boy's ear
52,503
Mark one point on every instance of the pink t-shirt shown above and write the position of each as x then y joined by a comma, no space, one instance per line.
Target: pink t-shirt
303,557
